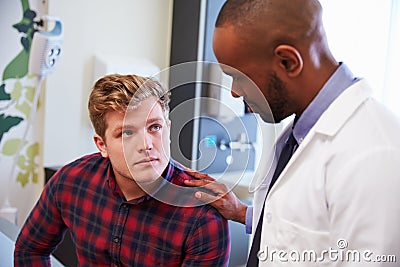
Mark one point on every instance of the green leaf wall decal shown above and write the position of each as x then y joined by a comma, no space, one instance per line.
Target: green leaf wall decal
35,178
3,94
32,151
23,178
11,146
18,67
25,108
7,122
30,93
21,98
16,92
22,163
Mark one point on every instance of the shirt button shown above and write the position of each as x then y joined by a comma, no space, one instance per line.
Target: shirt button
115,239
124,206
301,140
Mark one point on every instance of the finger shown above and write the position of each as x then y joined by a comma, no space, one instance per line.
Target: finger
186,169
199,175
206,198
197,183
194,172
212,186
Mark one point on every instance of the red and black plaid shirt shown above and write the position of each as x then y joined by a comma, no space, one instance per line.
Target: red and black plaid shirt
108,230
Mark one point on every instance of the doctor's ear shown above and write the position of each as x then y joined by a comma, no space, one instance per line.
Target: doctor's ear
289,59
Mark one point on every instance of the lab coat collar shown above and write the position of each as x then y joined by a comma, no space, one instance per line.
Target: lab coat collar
333,119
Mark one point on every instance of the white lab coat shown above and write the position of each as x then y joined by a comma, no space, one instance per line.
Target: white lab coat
341,188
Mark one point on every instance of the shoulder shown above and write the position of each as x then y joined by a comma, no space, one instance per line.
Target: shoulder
86,161
375,124
186,193
358,115
85,166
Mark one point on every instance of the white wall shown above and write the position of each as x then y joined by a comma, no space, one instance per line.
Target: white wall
365,35
135,28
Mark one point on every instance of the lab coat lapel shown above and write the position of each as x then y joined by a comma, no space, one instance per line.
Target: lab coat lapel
329,123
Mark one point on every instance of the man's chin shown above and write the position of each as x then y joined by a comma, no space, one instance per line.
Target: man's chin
268,118
148,181
151,185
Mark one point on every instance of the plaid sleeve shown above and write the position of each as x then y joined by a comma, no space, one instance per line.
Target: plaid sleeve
41,232
209,244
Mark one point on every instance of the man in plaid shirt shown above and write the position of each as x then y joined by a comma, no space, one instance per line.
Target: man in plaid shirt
125,206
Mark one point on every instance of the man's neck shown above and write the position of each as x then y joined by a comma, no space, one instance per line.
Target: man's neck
129,188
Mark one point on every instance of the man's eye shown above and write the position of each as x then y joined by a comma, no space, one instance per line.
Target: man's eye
155,128
126,133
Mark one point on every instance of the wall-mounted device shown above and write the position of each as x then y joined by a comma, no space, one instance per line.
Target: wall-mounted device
227,146
46,48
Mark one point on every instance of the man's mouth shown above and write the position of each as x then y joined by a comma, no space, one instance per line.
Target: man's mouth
147,160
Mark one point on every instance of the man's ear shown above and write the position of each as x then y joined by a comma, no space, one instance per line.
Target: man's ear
101,145
289,60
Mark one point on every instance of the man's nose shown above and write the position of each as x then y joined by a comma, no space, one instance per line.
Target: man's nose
147,142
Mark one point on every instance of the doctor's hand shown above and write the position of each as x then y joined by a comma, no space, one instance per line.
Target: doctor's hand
224,200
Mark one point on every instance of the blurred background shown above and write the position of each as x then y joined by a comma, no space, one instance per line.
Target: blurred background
211,131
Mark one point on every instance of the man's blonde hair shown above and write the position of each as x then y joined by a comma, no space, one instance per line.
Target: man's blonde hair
115,92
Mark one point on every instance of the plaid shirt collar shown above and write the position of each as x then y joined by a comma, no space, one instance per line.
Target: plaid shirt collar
167,178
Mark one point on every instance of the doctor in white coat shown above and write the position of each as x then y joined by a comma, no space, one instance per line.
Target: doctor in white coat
336,203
